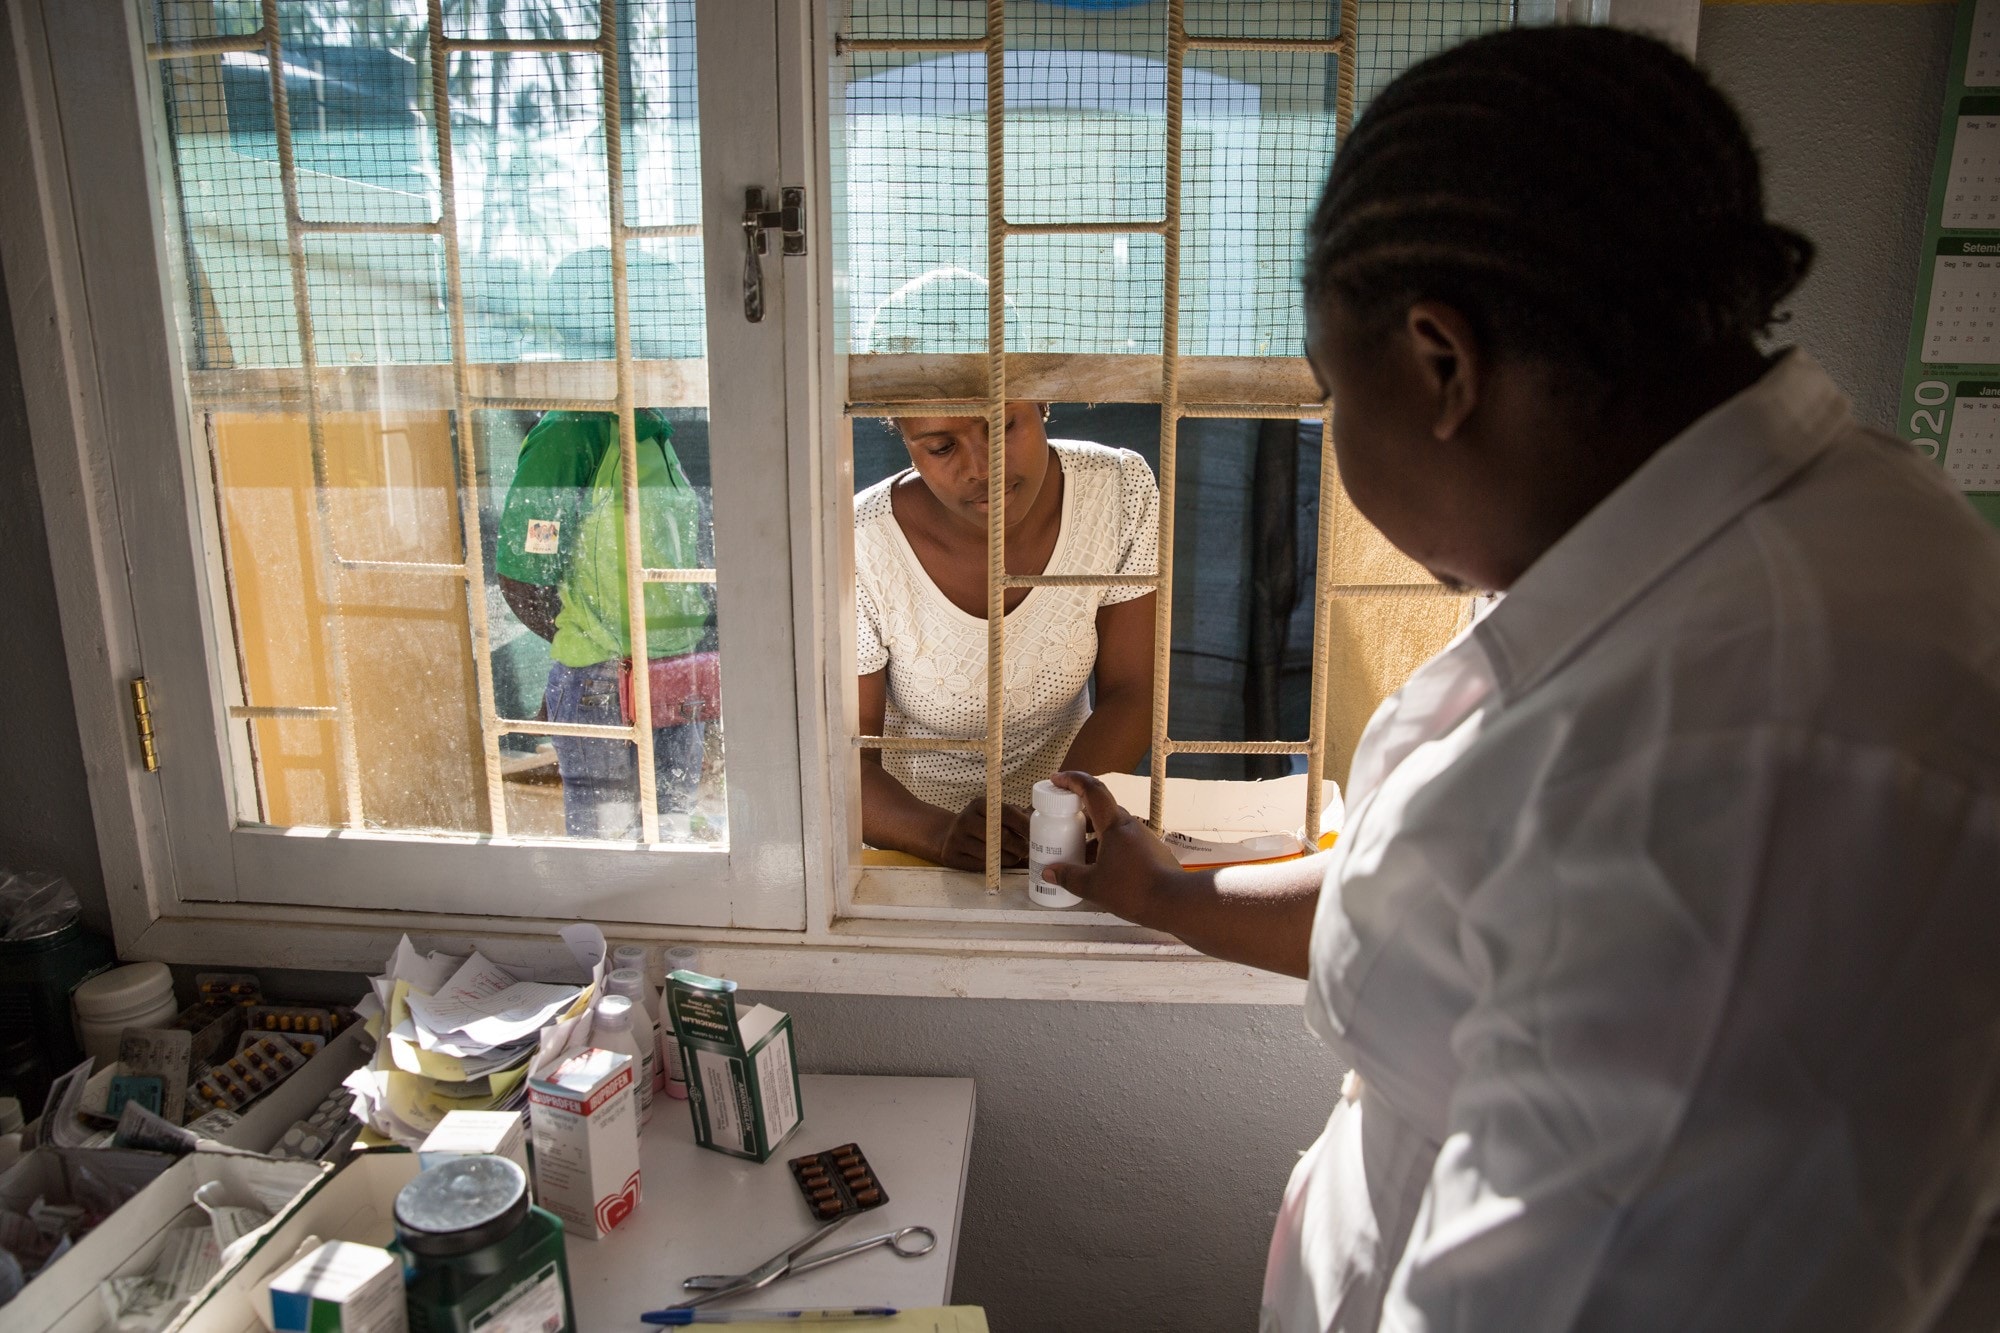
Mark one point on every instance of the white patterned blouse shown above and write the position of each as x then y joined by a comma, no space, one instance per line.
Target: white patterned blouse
936,653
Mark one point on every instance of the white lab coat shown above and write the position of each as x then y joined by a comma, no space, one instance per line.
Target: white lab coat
1665,931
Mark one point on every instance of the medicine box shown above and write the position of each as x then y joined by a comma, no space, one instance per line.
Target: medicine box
585,1123
477,1134
341,1287
742,1070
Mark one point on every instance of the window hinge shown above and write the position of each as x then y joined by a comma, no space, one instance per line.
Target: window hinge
142,720
788,219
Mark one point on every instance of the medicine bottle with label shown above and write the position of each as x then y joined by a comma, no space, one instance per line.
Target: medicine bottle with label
1055,837
631,983
612,1030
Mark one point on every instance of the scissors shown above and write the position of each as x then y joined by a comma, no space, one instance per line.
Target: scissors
905,1243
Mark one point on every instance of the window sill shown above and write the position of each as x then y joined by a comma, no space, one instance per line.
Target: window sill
898,957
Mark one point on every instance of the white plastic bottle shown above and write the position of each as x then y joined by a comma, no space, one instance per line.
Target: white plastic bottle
641,957
1055,837
613,1030
680,958
631,983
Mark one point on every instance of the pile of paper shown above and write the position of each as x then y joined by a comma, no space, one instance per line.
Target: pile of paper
465,1033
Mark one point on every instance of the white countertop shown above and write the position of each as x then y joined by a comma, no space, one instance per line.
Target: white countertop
707,1212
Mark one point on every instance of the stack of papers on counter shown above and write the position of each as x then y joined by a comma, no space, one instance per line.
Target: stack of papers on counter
464,1033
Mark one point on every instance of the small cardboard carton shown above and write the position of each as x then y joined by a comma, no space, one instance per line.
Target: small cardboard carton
341,1287
742,1072
476,1134
585,1123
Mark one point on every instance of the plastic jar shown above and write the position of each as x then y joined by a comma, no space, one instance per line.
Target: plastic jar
138,995
680,958
1055,837
629,984
478,1253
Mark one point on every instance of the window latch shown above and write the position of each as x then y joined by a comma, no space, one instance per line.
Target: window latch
788,220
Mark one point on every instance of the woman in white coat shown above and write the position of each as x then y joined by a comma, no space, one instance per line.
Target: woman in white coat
1662,932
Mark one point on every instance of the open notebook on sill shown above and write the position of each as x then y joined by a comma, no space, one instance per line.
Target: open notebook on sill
1215,822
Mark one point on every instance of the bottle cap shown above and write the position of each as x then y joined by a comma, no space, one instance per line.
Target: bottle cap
614,1013
1058,801
626,981
682,958
630,955
461,1205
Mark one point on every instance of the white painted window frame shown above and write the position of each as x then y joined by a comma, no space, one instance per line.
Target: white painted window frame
76,385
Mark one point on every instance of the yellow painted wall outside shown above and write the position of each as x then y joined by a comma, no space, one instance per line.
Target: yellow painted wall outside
1374,643
393,497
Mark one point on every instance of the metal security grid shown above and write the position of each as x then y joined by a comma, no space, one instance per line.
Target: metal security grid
1168,227
465,399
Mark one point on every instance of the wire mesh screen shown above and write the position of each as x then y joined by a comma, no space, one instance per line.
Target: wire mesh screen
522,20
1090,293
1085,142
1258,139
192,20
376,300
1396,34
1086,114
409,531
914,154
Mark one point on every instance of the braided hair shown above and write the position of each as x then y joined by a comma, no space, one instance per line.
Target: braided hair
1581,194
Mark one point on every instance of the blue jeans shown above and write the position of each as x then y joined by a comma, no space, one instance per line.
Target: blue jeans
600,778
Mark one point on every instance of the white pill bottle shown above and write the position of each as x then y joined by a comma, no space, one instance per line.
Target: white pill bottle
1055,837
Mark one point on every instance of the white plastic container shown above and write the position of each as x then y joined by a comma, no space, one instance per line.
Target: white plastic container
680,958
640,957
1055,837
630,983
138,995
612,1030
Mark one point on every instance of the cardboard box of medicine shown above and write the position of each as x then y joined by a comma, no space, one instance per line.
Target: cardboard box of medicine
585,1120
477,1134
64,1297
742,1071
341,1287
357,1203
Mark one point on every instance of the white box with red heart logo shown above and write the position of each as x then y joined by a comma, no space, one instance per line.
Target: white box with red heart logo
585,1126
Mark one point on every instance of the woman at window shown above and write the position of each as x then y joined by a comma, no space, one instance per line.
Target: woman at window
1078,679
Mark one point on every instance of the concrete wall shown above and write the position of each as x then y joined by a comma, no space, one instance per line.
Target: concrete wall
1128,1159
1844,103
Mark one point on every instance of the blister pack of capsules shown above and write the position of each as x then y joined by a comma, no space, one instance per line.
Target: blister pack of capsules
838,1181
298,1020
249,1074
229,988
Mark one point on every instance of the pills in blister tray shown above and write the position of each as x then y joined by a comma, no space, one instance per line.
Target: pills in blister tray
838,1181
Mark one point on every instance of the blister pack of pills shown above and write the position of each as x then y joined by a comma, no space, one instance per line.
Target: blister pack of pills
838,1181
229,987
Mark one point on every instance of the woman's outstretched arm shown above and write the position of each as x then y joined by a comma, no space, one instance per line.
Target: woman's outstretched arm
895,820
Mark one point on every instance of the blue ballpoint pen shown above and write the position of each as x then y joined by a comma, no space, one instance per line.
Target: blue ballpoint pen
682,1318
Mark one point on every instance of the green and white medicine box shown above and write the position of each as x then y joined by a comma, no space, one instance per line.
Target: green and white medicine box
742,1072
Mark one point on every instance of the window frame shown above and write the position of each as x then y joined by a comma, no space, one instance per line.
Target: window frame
860,930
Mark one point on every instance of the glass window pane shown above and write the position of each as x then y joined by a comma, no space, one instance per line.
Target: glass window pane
383,678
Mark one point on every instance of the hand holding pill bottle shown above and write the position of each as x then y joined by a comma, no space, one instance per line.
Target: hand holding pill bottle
1055,837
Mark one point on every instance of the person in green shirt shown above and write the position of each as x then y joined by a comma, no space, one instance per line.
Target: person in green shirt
560,556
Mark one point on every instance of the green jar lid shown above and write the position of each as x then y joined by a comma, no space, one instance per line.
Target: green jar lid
462,1205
